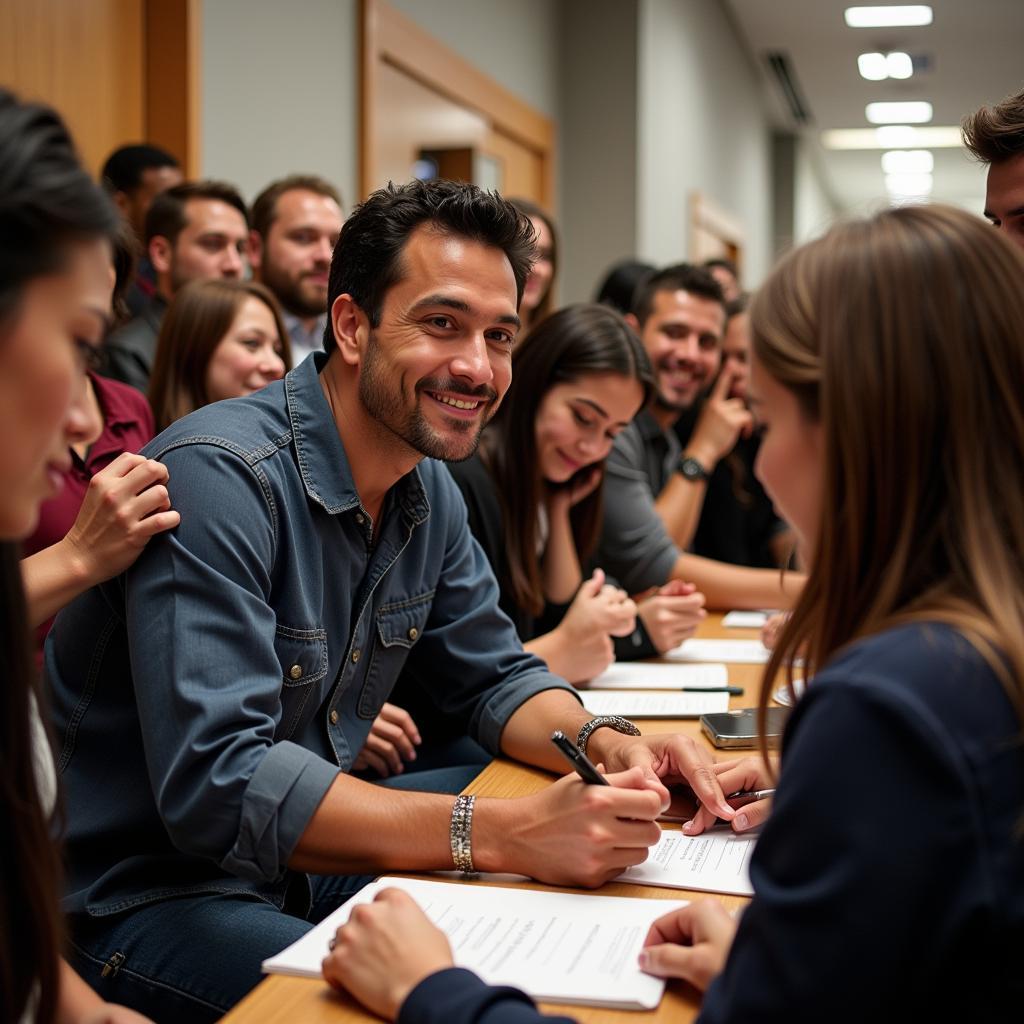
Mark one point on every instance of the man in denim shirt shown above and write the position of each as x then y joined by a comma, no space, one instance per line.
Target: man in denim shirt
211,701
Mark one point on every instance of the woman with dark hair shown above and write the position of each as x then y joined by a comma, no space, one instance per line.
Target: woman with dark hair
219,339
889,878
56,231
620,284
539,293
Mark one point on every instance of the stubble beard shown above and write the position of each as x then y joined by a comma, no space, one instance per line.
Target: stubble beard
409,426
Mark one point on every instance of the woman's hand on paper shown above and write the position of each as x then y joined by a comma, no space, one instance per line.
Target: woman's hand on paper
392,741
691,943
744,775
384,951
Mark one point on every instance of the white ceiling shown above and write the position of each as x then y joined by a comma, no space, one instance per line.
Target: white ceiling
974,48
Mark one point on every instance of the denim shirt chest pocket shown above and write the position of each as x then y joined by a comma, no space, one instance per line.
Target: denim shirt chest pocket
302,655
400,624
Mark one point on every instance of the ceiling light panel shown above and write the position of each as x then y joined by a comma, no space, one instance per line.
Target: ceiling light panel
872,66
908,185
908,161
907,112
899,65
888,17
894,136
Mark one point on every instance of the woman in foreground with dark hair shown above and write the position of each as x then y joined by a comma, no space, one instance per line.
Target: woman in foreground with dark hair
56,230
889,879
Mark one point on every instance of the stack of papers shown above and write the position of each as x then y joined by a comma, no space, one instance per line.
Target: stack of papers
745,620
653,704
747,652
715,861
557,947
648,675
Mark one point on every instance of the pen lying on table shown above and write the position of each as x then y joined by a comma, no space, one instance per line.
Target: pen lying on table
734,691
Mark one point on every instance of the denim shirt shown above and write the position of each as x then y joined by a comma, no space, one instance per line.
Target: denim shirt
206,699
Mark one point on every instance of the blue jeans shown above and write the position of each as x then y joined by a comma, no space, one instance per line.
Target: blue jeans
190,959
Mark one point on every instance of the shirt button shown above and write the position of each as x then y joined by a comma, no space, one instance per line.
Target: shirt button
355,655
360,518
295,671
333,716
413,633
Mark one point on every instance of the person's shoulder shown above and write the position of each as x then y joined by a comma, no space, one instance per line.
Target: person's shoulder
137,335
121,401
252,427
470,474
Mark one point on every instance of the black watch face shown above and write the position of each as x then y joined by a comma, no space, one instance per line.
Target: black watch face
692,469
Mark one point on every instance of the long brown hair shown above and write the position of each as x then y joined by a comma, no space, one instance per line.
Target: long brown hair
194,325
901,336
570,344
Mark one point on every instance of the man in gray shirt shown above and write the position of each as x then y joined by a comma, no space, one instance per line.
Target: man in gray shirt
654,489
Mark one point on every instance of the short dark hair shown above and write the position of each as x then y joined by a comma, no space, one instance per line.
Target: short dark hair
166,216
125,166
621,282
46,199
736,306
682,277
264,207
996,133
368,257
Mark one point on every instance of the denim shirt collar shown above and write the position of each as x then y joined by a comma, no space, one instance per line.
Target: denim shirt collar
320,453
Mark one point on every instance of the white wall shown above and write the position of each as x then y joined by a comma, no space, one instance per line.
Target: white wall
701,126
279,92
513,41
813,206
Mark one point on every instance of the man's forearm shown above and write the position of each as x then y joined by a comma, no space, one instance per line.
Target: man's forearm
679,507
527,734
736,586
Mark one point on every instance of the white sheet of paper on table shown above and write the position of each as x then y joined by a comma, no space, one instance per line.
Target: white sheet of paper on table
653,703
715,861
746,652
558,947
745,620
658,675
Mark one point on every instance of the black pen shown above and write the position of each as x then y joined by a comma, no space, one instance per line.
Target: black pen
584,766
734,691
749,796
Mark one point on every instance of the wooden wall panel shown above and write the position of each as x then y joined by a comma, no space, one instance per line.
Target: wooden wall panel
85,59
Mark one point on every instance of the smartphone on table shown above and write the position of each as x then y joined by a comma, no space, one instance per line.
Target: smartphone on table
738,729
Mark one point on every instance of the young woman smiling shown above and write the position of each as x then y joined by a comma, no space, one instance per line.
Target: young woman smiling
219,339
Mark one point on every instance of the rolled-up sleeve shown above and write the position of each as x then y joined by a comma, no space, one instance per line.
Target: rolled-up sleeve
470,658
635,547
207,678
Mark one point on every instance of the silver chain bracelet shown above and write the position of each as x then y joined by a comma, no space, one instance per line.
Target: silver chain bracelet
461,835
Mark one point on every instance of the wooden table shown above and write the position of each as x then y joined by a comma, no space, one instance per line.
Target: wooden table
283,1000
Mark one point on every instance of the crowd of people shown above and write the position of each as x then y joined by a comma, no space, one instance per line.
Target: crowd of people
313,516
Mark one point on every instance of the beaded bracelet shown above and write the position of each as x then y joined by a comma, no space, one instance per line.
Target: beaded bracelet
461,835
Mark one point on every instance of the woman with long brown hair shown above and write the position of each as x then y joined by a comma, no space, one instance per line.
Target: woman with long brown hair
219,339
889,879
56,230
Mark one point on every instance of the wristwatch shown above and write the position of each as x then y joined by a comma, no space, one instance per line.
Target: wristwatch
623,725
691,468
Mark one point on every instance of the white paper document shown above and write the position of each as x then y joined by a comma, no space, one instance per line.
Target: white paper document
658,675
745,620
746,652
715,861
558,947
653,703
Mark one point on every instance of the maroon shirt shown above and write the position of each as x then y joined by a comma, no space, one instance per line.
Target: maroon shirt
127,427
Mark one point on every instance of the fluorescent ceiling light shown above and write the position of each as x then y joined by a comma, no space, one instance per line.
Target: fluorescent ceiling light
908,184
912,112
899,64
872,66
908,161
888,17
876,67
894,136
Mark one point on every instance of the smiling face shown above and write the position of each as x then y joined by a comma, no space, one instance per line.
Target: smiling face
44,403
249,355
213,243
295,257
434,371
682,336
790,460
578,420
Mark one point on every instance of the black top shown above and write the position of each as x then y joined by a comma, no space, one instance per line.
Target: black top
889,881
737,521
